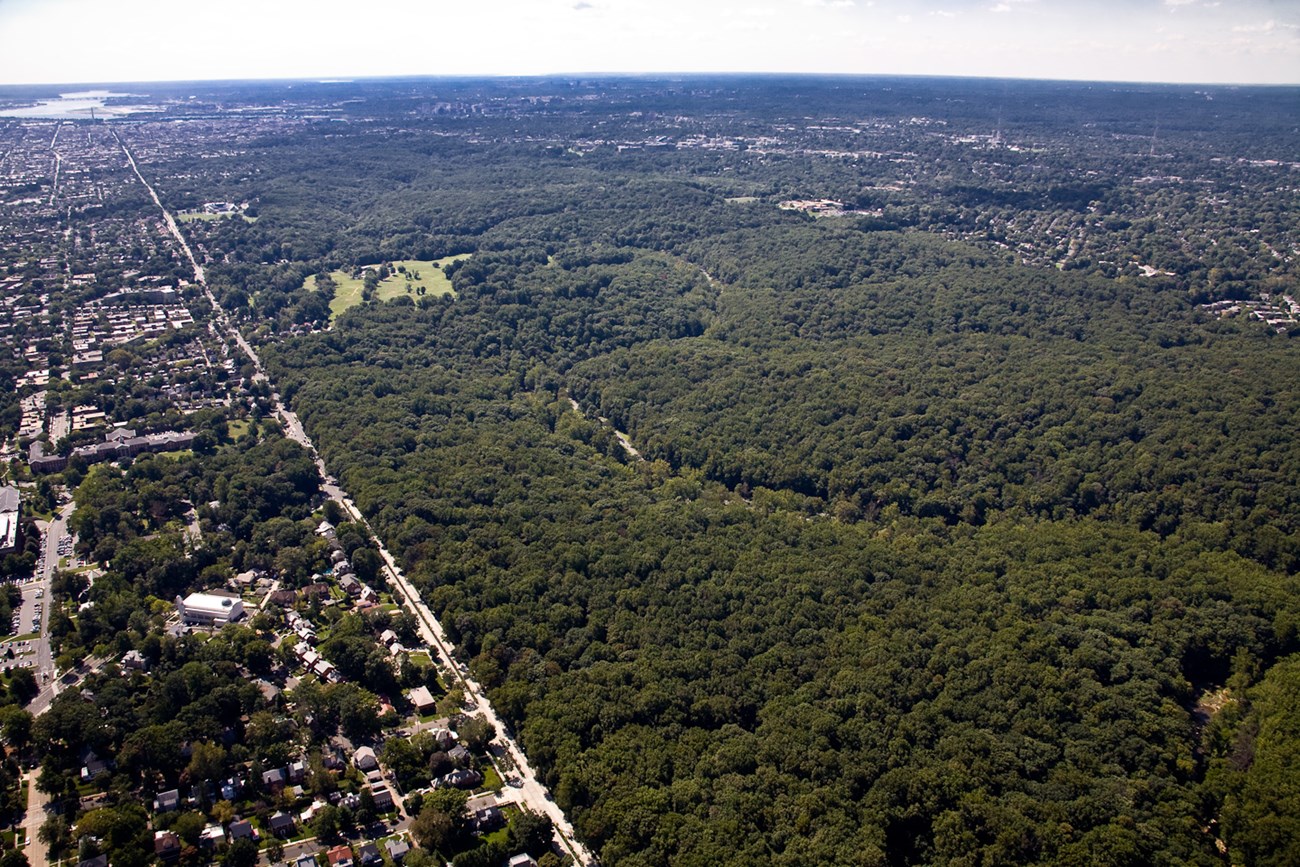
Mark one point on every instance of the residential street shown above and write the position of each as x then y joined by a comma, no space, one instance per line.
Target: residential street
36,801
39,590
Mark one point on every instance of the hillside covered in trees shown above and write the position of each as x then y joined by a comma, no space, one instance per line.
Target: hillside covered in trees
959,533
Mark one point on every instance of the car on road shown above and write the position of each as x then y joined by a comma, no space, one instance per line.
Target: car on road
515,783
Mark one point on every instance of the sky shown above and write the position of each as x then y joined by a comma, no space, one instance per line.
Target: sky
1193,41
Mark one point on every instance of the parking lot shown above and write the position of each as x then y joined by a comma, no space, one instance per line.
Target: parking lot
17,654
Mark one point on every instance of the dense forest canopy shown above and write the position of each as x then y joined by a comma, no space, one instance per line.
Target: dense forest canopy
951,505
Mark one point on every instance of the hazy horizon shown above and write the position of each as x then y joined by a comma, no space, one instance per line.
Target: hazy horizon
1213,42
665,75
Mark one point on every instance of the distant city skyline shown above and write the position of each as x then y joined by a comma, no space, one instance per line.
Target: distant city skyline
1185,41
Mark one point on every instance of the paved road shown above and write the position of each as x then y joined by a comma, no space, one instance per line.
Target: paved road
531,794
36,801
44,668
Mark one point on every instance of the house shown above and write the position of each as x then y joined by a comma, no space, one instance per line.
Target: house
350,586
460,757
244,580
274,780
281,824
167,801
365,759
462,779
135,660
92,769
523,860
297,771
284,598
423,700
397,849
383,796
312,809
212,835
368,854
209,609
340,856
241,829
166,845
305,861
488,820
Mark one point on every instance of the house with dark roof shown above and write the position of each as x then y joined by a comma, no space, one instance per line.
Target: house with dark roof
274,780
462,779
488,820
281,824
383,796
166,845
284,598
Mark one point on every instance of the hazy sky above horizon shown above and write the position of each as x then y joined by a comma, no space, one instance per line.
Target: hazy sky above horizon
92,41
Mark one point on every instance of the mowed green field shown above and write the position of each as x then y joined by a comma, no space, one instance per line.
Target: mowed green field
192,216
348,288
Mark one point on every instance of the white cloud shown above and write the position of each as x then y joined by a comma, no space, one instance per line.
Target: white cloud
1269,26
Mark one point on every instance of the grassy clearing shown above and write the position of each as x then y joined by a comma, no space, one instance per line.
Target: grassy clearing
201,216
418,274
236,428
492,780
742,200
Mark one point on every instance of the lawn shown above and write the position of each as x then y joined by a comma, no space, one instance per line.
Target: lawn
191,216
418,273
491,779
236,428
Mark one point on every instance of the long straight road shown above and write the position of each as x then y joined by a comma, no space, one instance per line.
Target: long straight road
39,589
531,794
